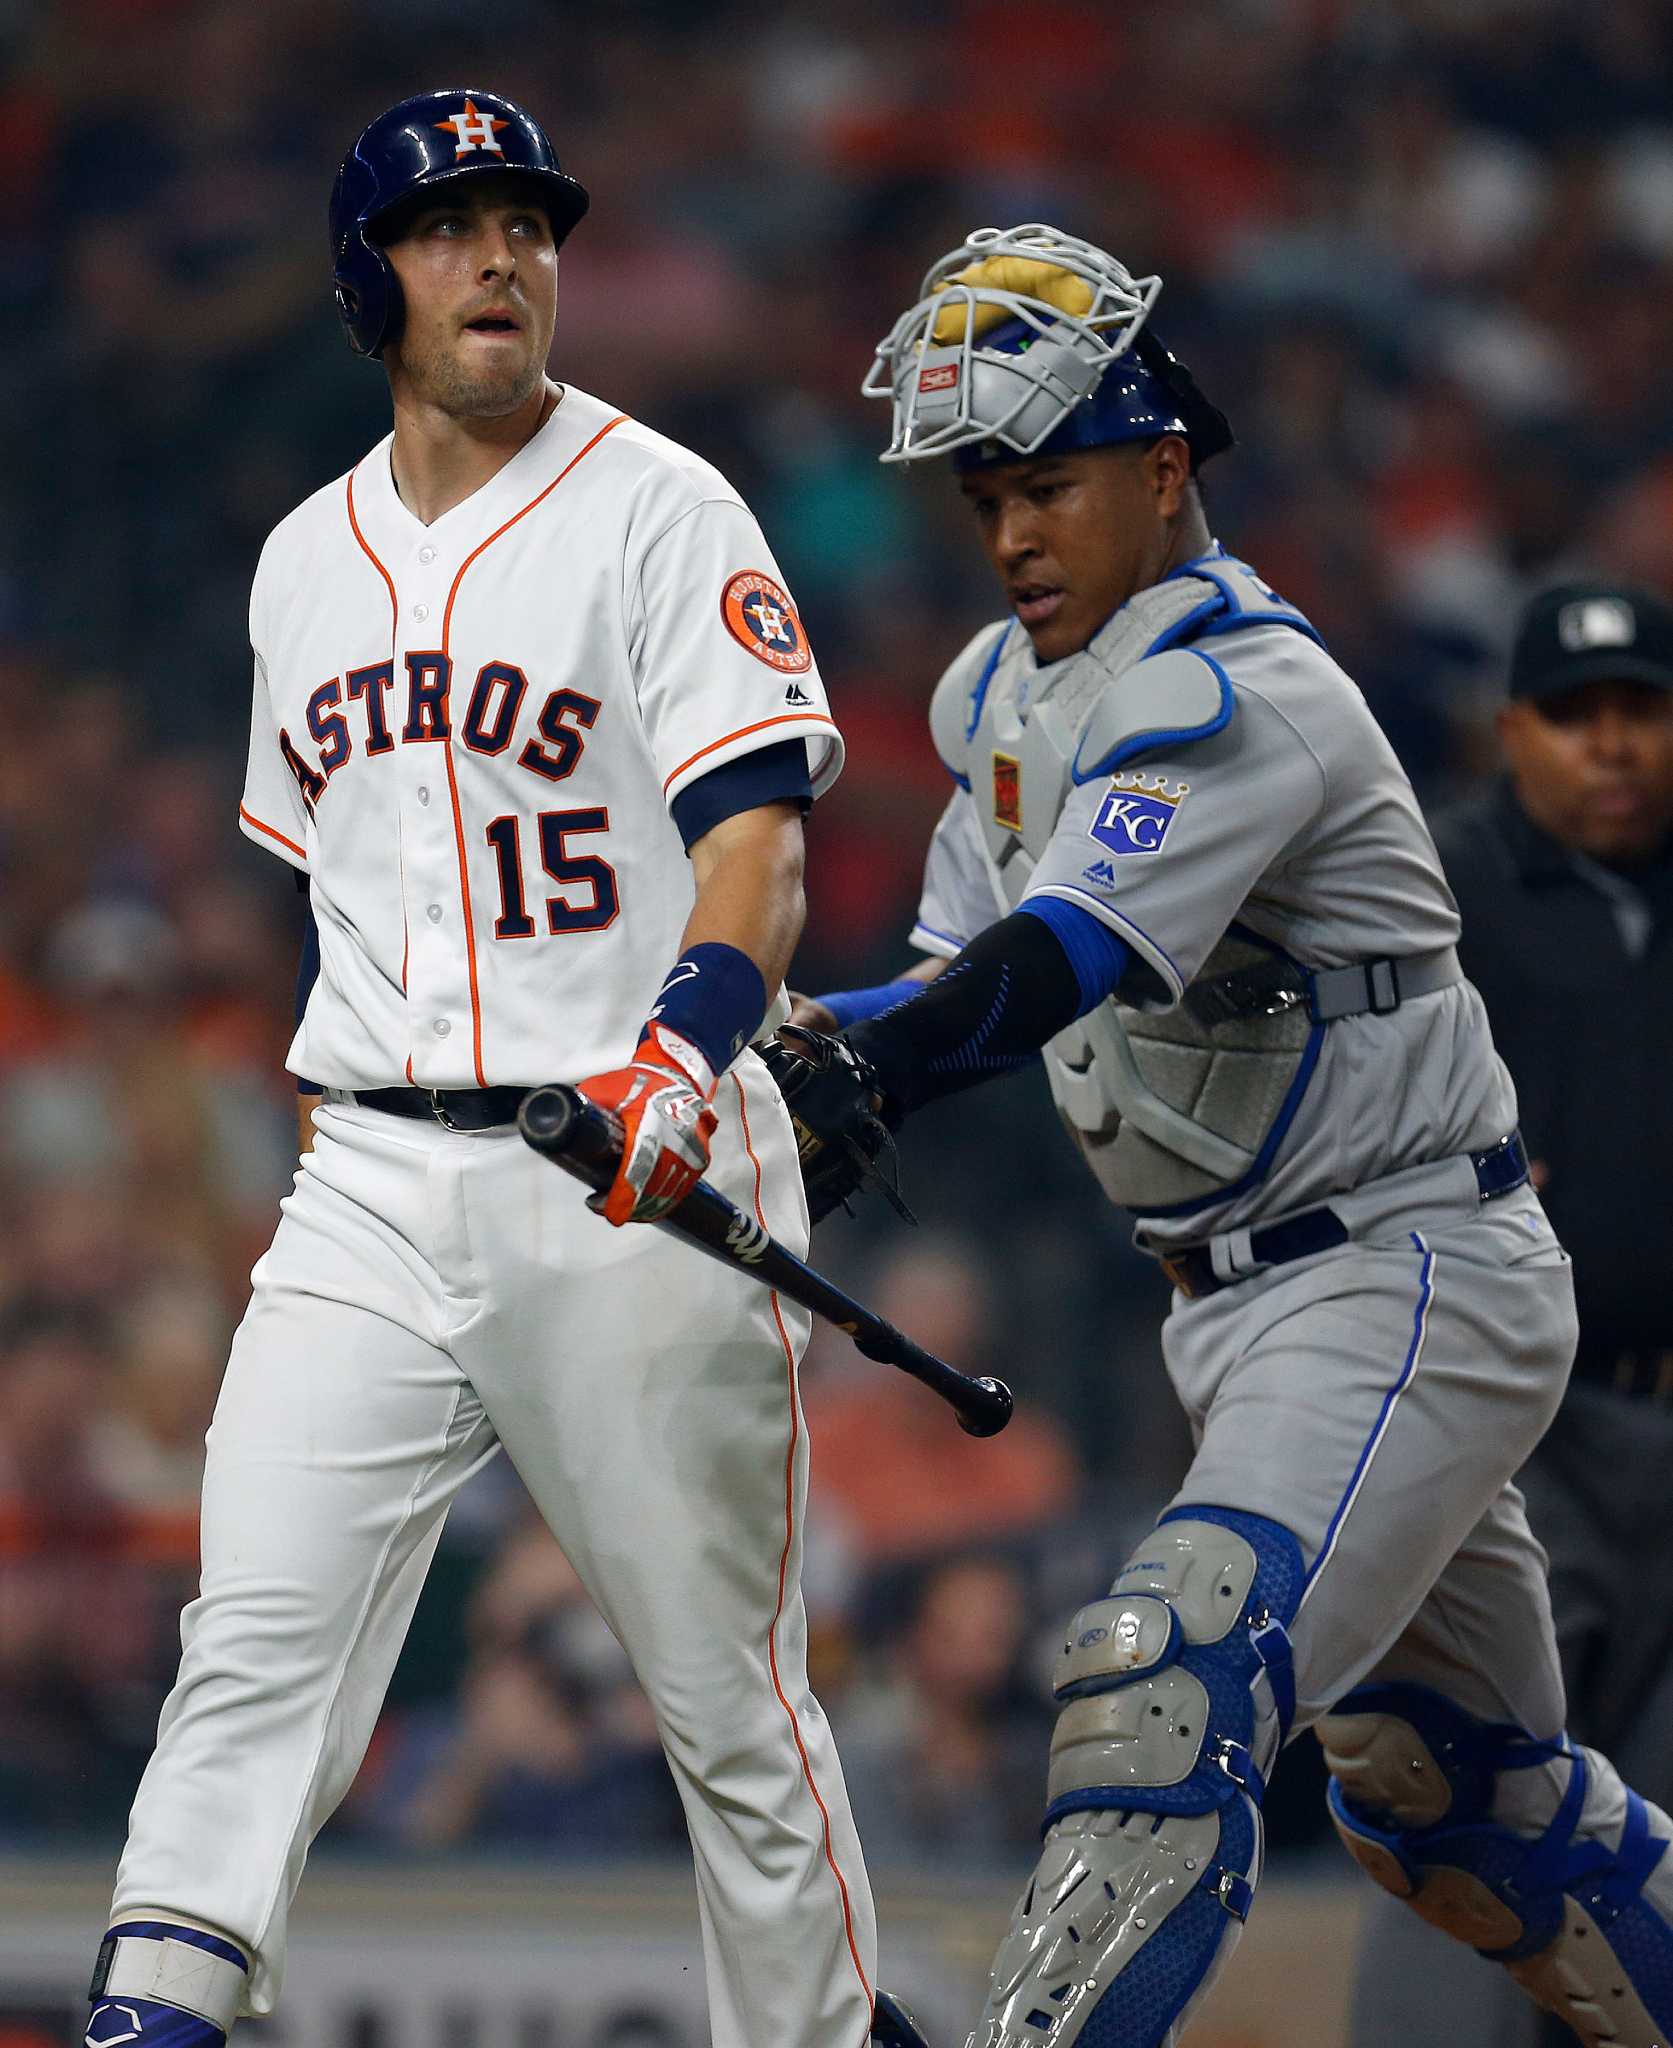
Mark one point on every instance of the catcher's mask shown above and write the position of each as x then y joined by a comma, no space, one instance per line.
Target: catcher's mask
1029,341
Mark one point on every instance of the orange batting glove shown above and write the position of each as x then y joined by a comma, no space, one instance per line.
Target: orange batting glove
663,1101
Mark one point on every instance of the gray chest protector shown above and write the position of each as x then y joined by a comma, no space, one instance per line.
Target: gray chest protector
1174,1107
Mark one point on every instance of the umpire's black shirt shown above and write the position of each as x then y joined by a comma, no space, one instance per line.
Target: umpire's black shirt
1585,1023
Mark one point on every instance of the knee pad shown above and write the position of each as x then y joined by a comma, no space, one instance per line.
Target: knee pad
1412,1789
1176,1693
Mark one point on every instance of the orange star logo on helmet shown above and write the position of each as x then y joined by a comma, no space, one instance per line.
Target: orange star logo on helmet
474,130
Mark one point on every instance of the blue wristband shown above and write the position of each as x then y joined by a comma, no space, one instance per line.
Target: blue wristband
714,995
851,1005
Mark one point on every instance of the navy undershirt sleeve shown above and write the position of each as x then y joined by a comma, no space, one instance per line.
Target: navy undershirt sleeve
307,971
770,775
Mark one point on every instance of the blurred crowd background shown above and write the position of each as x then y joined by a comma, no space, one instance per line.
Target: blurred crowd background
1420,250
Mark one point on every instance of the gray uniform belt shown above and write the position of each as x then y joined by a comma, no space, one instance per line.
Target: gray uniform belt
1368,987
1498,1171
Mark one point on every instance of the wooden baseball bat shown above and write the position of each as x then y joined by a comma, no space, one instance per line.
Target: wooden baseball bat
562,1125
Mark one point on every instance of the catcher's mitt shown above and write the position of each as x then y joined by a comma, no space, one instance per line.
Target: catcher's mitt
842,1124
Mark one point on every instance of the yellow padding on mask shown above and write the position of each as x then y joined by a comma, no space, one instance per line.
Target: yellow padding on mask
1027,276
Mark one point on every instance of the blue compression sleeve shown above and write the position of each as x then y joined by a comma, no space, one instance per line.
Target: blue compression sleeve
1014,987
1098,957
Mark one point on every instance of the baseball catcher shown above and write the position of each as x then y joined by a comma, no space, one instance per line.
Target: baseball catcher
1181,861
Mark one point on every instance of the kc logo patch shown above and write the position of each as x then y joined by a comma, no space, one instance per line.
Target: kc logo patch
759,616
1135,814
1007,791
474,130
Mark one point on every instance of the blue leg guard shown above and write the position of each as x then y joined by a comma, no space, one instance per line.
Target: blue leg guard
1420,1794
165,1985
1176,1694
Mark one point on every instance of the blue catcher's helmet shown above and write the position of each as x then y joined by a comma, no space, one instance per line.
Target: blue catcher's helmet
425,141
1029,341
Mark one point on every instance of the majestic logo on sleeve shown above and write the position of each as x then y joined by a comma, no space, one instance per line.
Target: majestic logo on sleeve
1136,813
474,130
759,615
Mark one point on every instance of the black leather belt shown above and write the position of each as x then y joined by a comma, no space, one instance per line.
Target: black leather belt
1498,1170
455,1109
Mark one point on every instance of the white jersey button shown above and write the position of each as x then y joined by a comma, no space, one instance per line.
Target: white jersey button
424,794
421,611
434,913
426,554
441,1027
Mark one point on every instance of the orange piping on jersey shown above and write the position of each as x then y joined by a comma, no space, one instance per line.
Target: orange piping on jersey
465,897
447,744
609,426
388,580
406,948
743,732
784,1567
250,819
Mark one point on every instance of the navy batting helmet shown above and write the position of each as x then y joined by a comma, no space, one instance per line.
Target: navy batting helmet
422,142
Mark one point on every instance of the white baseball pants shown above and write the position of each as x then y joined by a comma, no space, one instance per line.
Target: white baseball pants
429,1296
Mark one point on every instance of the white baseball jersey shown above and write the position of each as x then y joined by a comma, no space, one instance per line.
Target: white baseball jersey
468,734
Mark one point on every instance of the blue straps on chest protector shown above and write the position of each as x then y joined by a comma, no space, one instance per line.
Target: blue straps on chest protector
979,689
1244,601
1179,705
1177,693
1172,699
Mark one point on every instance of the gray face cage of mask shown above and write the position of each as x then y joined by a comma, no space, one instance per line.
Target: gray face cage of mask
951,393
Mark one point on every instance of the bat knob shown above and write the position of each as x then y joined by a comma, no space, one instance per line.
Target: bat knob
547,1117
995,1412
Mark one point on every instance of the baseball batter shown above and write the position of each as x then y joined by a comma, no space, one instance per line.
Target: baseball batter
1220,914
510,672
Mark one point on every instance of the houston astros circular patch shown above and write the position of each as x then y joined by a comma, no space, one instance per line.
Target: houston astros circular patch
760,616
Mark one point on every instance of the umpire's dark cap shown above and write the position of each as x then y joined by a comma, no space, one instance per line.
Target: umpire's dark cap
1592,632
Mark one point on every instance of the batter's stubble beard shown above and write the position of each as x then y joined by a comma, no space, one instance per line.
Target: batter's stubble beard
438,377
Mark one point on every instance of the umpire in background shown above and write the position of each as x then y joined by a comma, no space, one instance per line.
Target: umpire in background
1564,876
